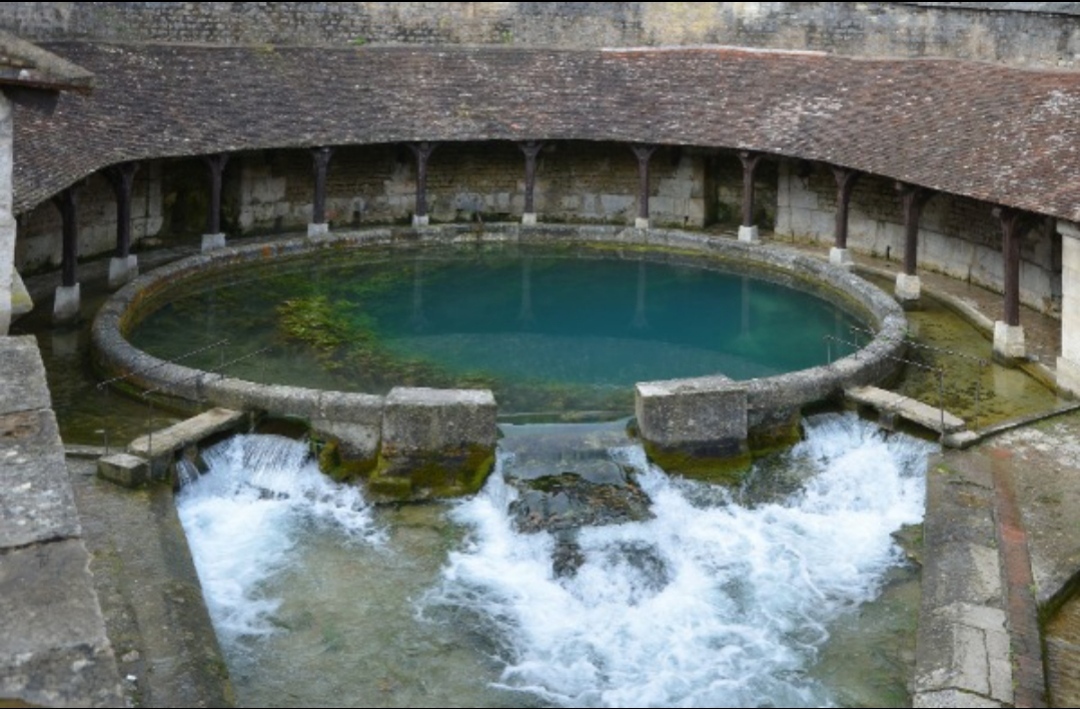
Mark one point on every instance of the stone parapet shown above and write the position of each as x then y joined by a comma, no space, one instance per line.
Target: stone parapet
55,650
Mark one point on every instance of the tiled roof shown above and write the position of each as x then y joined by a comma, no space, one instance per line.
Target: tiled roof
1003,135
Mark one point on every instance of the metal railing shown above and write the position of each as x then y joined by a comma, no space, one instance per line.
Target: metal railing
147,395
938,370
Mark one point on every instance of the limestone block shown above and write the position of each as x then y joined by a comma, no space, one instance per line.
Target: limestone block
641,223
353,420
21,302
122,270
528,219
612,205
704,418
840,257
749,234
435,442
421,420
418,220
1009,342
211,242
908,288
1070,295
124,469
1068,376
66,304
314,231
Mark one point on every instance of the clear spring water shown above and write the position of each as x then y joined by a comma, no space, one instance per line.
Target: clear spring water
564,330
763,596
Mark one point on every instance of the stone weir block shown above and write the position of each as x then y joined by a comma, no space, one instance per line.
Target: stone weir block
435,443
695,427
161,447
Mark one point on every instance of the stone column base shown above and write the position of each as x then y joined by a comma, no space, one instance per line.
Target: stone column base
1068,376
21,302
908,288
315,230
122,269
642,223
749,234
1008,342
418,220
528,219
840,257
213,241
66,304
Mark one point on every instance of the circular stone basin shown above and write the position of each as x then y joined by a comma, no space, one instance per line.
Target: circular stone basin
555,321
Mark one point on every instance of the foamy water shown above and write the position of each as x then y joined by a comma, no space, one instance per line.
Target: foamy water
243,518
711,603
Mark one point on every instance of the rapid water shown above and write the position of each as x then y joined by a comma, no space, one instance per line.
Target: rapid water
725,598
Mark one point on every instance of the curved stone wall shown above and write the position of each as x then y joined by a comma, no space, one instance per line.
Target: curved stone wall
767,404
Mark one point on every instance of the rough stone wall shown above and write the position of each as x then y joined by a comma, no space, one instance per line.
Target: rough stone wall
40,230
1040,34
7,218
271,192
959,237
576,181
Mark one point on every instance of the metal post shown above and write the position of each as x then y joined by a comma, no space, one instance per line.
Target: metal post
978,392
941,400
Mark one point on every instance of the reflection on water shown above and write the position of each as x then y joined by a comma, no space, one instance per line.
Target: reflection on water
712,603
558,330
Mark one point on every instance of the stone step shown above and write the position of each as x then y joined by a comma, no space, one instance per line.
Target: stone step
915,411
175,437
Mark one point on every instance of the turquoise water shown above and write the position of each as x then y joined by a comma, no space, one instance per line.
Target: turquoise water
549,332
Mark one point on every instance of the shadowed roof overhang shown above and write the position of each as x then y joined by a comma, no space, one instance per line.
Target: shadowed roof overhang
1003,135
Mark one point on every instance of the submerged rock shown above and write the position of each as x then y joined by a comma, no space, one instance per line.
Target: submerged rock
570,501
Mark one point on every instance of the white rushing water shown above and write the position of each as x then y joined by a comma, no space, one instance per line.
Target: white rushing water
712,603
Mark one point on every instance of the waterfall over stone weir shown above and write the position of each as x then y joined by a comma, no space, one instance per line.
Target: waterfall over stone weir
579,576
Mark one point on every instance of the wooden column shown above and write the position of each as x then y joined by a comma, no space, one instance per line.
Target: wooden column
123,266
321,163
215,165
67,203
531,149
1008,334
748,231
422,151
845,185
643,153
912,199
66,302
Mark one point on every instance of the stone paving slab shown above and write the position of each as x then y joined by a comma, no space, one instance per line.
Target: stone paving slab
54,650
36,503
150,594
53,647
963,655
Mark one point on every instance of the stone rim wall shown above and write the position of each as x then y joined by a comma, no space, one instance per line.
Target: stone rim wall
115,356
